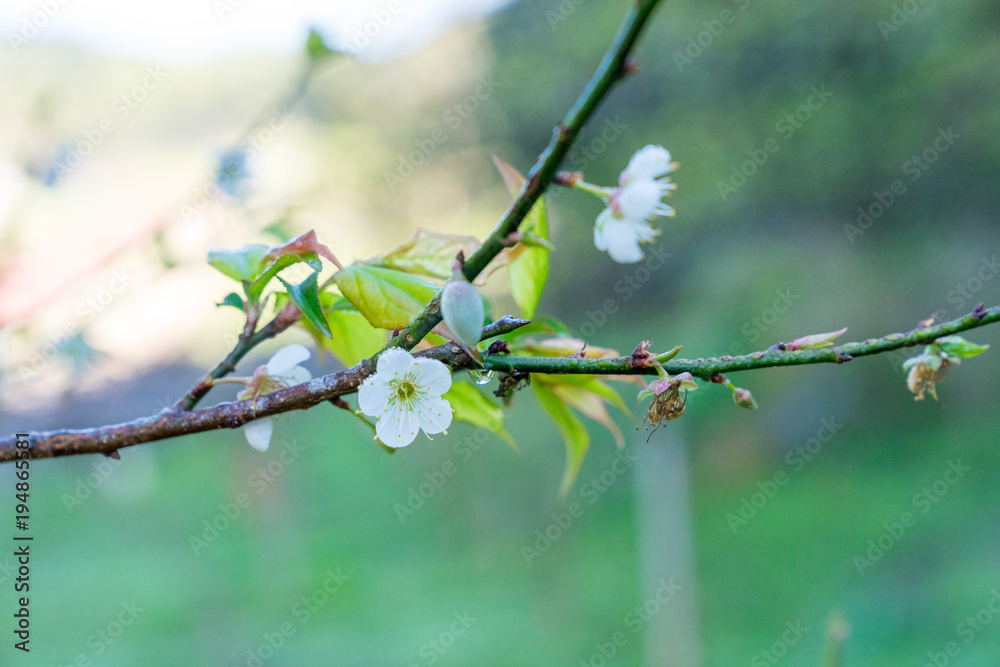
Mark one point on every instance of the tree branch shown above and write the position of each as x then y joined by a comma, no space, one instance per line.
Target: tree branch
168,424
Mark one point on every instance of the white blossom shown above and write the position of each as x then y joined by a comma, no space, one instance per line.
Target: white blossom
650,162
281,371
405,395
620,237
624,224
640,199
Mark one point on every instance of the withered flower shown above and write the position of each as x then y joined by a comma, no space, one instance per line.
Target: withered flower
926,370
668,401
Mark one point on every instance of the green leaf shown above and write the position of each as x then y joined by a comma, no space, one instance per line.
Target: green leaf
232,299
528,270
352,338
428,253
306,297
256,288
471,406
304,247
956,346
598,386
243,263
588,394
316,48
386,297
574,434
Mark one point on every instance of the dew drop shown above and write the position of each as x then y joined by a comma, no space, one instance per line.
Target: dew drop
481,377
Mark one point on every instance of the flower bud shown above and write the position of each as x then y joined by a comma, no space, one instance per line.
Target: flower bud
463,312
744,398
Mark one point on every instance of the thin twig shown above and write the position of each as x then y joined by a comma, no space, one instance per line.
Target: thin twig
610,71
247,341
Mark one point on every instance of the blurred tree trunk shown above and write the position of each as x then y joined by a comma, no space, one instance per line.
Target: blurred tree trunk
665,543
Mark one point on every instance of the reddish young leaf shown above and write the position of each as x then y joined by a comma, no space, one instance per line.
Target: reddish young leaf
304,246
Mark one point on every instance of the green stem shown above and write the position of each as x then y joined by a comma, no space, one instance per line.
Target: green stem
592,189
540,177
706,368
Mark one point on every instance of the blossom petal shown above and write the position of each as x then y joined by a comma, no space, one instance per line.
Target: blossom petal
639,199
296,375
435,415
432,376
395,362
258,433
621,239
397,427
373,396
648,162
600,229
285,358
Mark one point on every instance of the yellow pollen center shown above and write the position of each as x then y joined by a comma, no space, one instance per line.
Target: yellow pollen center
405,390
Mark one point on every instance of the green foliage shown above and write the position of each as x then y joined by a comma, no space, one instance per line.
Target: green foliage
233,300
573,432
428,253
243,263
386,297
352,337
587,394
306,297
956,346
471,406
316,48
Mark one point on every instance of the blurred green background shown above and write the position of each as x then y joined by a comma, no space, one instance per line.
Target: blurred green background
320,563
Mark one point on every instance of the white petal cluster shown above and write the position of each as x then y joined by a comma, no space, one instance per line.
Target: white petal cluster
281,371
620,237
405,395
624,224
